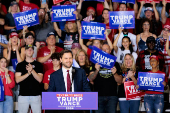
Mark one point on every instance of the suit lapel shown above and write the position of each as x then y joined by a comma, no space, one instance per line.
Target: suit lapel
62,81
74,78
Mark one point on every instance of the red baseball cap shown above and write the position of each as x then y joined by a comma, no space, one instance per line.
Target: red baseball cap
155,57
70,21
91,8
13,34
67,3
166,26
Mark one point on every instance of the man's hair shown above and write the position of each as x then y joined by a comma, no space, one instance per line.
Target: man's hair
55,56
122,3
65,51
101,41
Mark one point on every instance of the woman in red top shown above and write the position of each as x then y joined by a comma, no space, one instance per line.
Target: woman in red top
105,20
6,106
153,100
25,5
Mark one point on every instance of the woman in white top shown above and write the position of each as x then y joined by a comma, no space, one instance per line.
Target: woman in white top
125,48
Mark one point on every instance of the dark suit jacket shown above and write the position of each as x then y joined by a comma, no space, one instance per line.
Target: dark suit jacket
57,84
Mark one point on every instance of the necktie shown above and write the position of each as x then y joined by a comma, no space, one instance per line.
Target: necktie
68,81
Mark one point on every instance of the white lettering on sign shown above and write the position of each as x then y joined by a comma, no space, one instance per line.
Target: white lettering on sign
122,19
93,30
151,81
69,101
63,12
26,19
102,59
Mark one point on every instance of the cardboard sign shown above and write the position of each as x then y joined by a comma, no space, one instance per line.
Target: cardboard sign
1,90
29,18
151,81
125,19
57,1
69,100
104,59
63,13
124,1
93,30
131,92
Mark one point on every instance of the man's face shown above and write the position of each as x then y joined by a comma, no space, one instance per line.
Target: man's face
151,45
90,12
148,14
41,13
51,40
67,60
122,7
29,52
97,43
106,48
29,40
56,62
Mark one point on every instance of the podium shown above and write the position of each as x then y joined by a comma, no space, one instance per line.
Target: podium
70,100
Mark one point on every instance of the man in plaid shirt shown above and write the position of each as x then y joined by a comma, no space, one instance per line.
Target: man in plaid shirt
143,58
3,44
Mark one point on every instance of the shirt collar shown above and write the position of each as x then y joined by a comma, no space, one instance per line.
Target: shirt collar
65,70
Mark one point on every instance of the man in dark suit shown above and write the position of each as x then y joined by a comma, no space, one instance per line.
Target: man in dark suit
68,78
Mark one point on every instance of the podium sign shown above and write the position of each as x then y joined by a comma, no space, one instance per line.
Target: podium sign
69,100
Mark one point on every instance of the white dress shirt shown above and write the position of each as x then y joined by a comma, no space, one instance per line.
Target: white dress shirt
65,77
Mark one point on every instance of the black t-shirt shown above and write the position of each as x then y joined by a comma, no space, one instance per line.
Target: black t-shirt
121,91
86,69
29,86
105,83
69,38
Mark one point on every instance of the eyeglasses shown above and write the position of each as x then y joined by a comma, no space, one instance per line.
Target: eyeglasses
166,30
146,24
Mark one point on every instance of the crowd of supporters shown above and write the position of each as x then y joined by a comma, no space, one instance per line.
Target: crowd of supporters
30,55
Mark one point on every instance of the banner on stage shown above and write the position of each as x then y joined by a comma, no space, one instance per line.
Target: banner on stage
69,100
125,19
104,59
93,30
27,18
151,81
63,13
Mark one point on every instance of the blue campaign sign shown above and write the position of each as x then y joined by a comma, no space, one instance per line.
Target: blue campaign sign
125,19
151,81
1,90
14,63
63,13
93,30
124,1
95,0
29,18
104,59
69,100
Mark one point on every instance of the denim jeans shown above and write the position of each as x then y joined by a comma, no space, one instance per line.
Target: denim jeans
154,103
33,101
6,106
126,105
107,104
